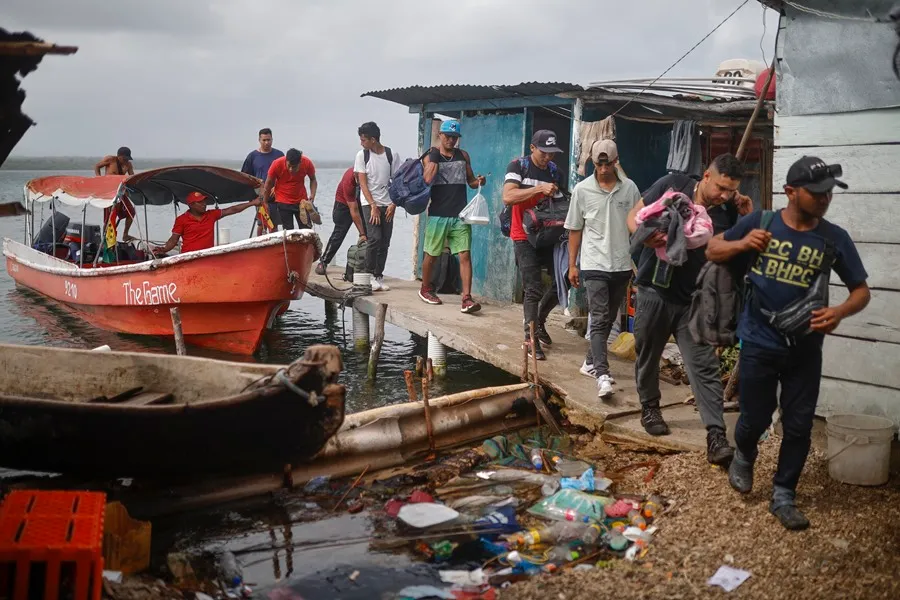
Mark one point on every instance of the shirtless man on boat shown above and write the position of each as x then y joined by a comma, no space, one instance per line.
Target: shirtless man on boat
120,164
197,226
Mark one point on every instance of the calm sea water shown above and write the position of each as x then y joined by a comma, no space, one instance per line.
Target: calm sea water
28,318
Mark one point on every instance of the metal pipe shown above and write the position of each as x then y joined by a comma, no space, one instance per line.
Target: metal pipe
81,250
53,227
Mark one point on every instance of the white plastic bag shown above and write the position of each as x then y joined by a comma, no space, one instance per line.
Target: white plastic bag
476,211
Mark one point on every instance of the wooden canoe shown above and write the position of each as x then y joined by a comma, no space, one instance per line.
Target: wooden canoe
123,414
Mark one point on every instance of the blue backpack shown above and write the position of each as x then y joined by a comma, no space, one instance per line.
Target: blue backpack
505,217
408,189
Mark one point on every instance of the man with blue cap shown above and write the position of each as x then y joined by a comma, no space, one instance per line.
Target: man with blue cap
448,169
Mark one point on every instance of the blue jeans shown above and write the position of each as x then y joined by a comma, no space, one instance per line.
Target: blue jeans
799,370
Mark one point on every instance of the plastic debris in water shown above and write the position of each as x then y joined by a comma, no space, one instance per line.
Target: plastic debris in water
315,483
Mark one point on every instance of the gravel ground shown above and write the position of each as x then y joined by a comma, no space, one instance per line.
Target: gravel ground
851,550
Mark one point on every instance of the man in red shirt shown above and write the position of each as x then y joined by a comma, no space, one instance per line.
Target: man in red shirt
345,213
197,226
287,176
528,181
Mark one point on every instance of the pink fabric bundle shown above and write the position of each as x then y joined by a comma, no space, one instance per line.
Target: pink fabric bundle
697,227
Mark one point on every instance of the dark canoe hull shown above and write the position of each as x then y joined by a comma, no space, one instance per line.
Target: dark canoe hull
254,432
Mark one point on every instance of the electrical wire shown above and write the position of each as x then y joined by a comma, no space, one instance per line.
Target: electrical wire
683,56
829,15
763,36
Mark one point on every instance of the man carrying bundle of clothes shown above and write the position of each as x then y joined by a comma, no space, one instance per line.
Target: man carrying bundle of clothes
666,280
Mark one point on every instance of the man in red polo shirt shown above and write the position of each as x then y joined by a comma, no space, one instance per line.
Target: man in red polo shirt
197,226
346,213
287,176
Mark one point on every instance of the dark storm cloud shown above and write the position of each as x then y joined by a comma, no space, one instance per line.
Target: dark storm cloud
198,79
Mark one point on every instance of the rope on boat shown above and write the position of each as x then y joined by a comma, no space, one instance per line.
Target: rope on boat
310,396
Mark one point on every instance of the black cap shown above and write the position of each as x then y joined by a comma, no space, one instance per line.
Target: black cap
812,173
545,141
293,156
124,151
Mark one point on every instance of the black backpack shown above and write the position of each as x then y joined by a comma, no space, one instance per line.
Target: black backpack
545,224
505,217
717,302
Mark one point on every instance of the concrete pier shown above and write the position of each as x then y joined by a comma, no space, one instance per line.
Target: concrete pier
495,336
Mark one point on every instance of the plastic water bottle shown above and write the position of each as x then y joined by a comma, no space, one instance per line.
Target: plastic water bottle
555,533
563,554
617,542
637,519
652,507
566,514
590,535
537,459
229,570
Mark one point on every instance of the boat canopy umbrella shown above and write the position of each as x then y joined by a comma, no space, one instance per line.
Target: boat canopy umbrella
168,184
156,187
74,190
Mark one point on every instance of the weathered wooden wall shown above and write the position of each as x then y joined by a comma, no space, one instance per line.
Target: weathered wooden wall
862,358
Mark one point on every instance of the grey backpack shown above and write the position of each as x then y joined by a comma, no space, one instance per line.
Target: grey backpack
717,302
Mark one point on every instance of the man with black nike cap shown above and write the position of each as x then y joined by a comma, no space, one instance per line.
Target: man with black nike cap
529,180
798,245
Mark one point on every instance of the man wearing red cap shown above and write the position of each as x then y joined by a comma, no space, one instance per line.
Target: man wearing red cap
197,226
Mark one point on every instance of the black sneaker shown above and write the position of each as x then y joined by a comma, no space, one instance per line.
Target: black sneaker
740,474
534,350
718,452
653,422
791,517
541,333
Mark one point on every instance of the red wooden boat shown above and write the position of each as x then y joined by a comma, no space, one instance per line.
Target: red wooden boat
227,295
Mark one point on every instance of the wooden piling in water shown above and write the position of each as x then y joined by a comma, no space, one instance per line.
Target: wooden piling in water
410,386
375,352
180,348
428,426
330,310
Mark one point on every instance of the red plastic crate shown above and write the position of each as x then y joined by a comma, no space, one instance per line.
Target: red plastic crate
55,529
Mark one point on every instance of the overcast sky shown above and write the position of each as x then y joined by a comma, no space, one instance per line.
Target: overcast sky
198,78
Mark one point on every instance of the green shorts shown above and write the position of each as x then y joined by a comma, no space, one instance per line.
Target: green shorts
443,231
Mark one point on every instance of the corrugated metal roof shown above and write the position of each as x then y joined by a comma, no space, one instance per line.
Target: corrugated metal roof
418,94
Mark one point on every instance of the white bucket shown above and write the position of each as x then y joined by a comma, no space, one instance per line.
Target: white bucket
224,236
859,448
438,355
362,278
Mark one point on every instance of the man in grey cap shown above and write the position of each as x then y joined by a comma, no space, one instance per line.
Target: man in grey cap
120,164
598,226
530,180
791,263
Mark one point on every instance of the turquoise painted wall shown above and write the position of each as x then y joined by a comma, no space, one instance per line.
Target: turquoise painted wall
492,140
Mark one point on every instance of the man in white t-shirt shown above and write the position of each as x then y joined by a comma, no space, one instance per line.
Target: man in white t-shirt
375,165
598,227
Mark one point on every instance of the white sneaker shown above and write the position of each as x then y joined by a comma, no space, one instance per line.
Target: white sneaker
588,370
376,285
382,286
604,386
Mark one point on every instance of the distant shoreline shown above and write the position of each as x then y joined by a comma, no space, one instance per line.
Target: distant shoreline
86,163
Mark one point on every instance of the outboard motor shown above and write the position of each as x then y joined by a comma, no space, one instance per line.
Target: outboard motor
74,242
48,237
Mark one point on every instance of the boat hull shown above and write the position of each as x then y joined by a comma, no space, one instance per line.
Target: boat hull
227,295
233,420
